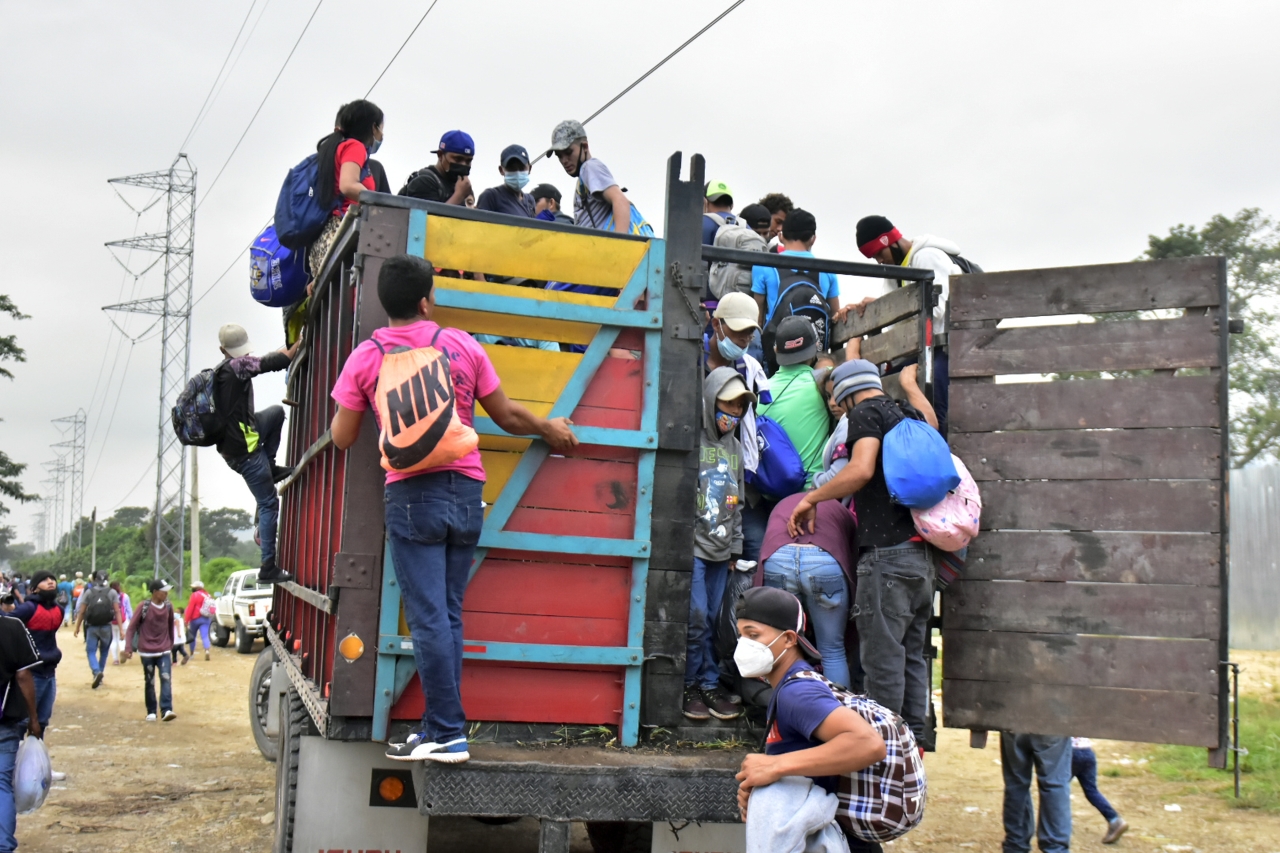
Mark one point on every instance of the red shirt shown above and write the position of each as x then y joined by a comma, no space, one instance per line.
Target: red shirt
349,151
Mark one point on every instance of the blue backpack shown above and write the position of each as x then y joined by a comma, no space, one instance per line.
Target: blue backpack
918,468
277,275
781,471
299,216
196,419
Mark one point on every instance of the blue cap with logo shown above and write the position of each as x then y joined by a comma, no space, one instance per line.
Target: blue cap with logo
514,152
456,142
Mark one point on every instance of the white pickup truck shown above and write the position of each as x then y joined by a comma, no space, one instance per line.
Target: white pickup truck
241,608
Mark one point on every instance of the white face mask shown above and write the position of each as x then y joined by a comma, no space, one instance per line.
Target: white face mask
753,657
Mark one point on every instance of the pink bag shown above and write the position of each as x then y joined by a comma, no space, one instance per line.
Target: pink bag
952,523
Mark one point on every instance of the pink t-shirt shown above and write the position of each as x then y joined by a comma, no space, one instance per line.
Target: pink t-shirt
469,365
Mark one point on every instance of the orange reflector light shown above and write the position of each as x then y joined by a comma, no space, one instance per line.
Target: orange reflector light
297,644
351,648
390,789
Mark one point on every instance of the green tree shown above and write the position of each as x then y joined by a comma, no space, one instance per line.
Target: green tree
1251,244
9,349
218,527
10,471
129,516
7,535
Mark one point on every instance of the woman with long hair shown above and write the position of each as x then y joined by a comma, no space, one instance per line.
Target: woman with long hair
343,170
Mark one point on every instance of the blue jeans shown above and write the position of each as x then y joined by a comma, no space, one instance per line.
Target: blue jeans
97,642
755,520
813,576
1050,756
433,525
892,605
46,692
256,471
10,737
1084,766
707,583
198,627
151,666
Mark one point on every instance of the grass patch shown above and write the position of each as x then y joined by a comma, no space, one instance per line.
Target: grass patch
1259,770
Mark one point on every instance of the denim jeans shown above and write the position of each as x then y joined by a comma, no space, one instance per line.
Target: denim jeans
813,576
162,665
46,692
891,608
433,525
10,737
97,642
707,591
1084,766
755,520
198,628
256,471
1051,758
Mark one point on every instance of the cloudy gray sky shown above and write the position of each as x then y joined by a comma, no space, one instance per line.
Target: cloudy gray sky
1031,134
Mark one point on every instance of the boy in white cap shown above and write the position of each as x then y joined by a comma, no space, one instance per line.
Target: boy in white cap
598,202
250,439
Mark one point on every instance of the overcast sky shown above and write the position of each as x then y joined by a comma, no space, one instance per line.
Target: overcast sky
1032,135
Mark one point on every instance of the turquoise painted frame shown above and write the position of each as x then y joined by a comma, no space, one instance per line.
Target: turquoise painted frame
395,652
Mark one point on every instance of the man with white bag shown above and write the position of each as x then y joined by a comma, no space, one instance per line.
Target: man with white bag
18,697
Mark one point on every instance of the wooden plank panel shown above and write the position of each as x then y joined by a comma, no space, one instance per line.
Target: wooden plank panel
565,559
1097,289
902,339
1148,716
549,589
1130,345
891,308
1126,610
1186,454
514,326
546,630
545,695
532,374
618,384
1142,558
583,485
1189,666
1156,401
557,522
510,250
1189,506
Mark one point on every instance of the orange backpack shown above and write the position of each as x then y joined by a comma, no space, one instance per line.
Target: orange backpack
415,400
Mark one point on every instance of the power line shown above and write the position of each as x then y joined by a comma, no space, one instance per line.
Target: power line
217,77
234,64
402,46
256,112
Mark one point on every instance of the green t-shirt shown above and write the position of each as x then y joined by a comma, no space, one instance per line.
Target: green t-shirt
799,409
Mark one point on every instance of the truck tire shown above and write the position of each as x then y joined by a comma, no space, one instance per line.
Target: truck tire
259,702
620,836
221,636
294,723
244,640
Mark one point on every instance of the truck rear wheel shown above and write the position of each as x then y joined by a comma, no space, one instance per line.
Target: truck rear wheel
244,640
259,702
294,723
620,836
221,636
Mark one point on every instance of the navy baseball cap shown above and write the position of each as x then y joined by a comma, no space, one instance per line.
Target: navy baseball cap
456,142
514,152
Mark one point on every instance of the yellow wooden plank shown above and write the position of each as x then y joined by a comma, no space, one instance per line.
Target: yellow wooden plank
533,374
511,326
512,250
504,442
493,288
498,467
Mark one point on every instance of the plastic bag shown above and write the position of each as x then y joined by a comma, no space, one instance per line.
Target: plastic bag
32,775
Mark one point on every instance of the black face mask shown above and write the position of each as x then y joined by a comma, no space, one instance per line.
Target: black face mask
459,170
47,596
898,254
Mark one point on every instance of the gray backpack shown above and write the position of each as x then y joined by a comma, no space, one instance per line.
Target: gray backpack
725,277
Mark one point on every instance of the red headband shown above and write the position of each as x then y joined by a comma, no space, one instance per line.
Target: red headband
872,247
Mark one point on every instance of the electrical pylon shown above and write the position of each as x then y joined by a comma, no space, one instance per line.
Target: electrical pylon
74,455
177,245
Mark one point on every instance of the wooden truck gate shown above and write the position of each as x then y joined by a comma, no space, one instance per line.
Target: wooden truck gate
1094,602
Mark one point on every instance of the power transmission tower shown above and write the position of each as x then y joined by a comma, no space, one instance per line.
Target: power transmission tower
58,470
173,307
74,447
40,528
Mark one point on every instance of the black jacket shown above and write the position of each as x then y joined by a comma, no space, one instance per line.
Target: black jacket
233,396
429,185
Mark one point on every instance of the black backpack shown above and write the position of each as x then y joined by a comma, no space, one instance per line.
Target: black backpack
966,266
196,418
798,295
97,607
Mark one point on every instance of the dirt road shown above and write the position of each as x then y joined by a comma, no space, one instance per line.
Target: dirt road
199,784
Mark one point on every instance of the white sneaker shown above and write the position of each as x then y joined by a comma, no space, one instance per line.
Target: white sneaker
169,715
151,718
58,776
417,748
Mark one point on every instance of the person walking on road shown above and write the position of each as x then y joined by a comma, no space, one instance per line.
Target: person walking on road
43,617
64,597
1050,757
117,628
197,615
98,607
18,657
152,623
1084,767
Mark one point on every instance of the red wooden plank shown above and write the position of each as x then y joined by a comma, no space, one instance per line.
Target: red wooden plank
549,589
583,485
544,630
537,557
603,451
558,522
526,694
610,418
632,339
618,384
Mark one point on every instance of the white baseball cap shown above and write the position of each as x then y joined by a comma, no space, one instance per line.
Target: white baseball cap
235,340
738,311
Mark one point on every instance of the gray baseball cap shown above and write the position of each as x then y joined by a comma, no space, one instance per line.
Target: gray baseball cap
566,133
235,340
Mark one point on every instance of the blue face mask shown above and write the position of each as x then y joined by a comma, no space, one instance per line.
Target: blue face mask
516,180
373,149
726,422
730,350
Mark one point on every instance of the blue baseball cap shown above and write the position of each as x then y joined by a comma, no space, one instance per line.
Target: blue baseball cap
514,152
456,142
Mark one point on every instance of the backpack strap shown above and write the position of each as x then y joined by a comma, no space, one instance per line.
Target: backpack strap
439,329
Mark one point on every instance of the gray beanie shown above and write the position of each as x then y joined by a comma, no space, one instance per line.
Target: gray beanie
854,376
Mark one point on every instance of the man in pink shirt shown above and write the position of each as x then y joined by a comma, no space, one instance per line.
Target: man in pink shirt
433,516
